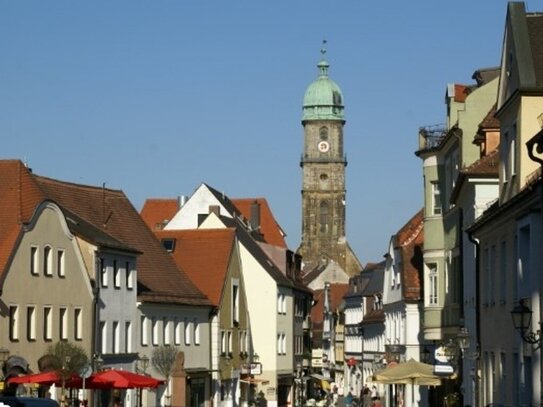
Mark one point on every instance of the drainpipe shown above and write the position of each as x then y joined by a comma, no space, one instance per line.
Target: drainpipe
477,317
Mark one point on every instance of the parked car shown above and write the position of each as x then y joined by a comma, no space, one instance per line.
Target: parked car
27,402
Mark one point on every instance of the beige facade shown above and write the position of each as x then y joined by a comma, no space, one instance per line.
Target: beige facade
47,295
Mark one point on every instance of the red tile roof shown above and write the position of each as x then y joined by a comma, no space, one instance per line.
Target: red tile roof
269,228
159,212
337,292
204,255
20,197
109,210
410,239
461,92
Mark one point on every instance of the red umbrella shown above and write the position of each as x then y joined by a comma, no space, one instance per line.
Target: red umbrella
122,379
45,378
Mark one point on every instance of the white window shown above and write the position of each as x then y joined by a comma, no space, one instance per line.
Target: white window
116,275
278,344
34,262
78,324
436,199
188,331
432,284
115,336
177,333
154,338
196,332
281,303
103,273
47,323
223,342
129,276
229,342
144,331
166,324
103,333
47,261
61,272
128,337
63,323
31,323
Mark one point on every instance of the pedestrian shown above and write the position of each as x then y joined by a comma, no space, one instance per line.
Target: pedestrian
349,399
374,393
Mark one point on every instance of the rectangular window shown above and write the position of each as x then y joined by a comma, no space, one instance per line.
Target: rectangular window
115,337
503,271
47,261
116,275
129,277
223,343
61,272
177,333
433,284
34,260
235,302
187,331
31,323
128,337
512,152
167,328
103,273
47,323
144,331
154,338
492,278
78,324
436,199
63,323
278,344
196,332
103,333
229,342
14,322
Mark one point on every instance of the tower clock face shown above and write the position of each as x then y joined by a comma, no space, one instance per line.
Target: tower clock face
323,146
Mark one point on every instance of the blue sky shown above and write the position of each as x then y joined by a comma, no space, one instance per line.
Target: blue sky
156,97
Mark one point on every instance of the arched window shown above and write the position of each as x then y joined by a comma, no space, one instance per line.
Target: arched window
323,133
324,216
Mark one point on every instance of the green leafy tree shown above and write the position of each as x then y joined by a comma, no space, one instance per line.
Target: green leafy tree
163,360
67,359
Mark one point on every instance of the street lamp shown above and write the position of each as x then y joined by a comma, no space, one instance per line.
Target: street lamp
522,318
463,340
143,364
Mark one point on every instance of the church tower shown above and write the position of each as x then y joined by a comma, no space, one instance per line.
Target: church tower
323,165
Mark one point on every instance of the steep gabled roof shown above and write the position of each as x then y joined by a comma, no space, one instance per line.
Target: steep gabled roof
204,255
409,240
158,212
337,292
20,196
257,252
111,211
485,167
269,228
104,215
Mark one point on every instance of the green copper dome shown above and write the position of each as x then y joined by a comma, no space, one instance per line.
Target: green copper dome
323,99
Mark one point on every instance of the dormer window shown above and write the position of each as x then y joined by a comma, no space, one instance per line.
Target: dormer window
169,245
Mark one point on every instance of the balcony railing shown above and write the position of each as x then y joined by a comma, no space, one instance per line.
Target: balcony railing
432,135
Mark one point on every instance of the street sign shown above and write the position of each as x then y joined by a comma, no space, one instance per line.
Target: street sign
443,370
251,368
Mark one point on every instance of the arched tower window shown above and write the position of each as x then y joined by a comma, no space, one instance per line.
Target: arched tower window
323,133
324,216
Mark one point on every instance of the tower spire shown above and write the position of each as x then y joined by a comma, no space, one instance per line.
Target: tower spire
323,64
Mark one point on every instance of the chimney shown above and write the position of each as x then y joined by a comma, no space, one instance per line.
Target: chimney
255,216
181,201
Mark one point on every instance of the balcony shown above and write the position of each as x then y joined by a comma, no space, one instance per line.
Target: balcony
431,136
